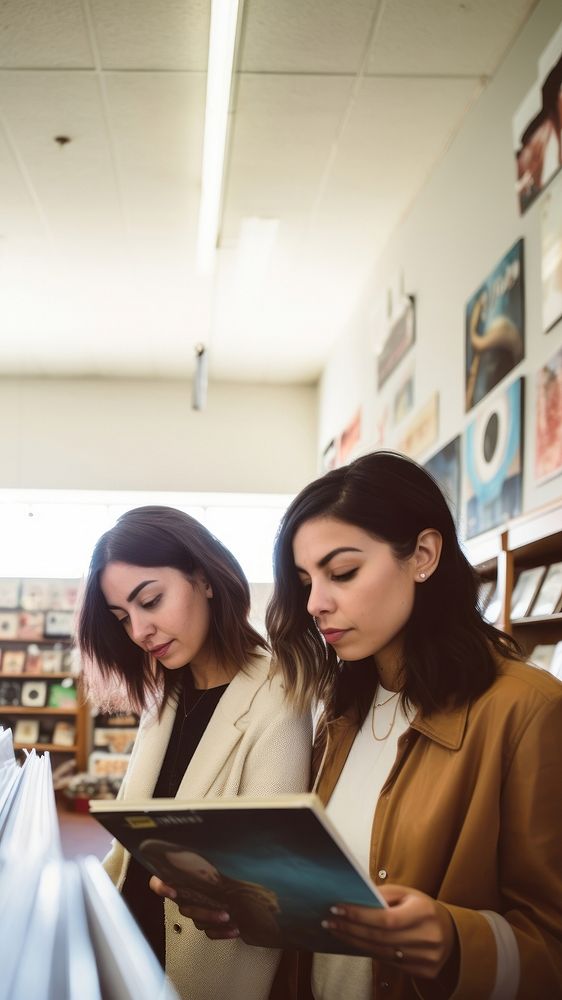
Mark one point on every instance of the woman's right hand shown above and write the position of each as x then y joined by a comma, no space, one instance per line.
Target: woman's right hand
216,924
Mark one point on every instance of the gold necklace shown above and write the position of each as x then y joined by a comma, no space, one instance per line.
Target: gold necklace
187,711
381,739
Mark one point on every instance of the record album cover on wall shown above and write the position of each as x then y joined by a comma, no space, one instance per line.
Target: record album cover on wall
548,419
494,461
445,467
495,327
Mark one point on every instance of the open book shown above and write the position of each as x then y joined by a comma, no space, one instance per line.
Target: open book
277,865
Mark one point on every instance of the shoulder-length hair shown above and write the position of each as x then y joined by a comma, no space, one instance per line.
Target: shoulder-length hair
449,650
161,536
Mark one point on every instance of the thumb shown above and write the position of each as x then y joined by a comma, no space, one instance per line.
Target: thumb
394,894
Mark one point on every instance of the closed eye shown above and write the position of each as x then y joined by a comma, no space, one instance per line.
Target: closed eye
153,603
342,577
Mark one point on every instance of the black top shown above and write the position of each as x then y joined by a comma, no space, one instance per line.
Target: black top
193,715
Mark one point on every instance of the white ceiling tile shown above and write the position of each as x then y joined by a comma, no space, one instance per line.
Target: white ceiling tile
305,36
43,34
75,183
446,36
162,34
283,131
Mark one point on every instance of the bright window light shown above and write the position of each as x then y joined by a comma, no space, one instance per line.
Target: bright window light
51,533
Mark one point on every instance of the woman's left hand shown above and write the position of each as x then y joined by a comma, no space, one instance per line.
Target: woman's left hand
415,933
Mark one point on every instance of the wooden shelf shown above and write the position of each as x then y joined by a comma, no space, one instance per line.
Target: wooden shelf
31,710
42,676
50,747
532,539
539,620
64,642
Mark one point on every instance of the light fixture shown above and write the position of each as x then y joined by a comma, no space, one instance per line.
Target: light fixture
199,386
222,40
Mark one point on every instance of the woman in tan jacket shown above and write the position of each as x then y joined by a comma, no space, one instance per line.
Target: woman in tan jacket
439,750
165,616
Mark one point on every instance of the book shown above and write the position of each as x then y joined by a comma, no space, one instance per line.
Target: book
549,597
525,591
276,865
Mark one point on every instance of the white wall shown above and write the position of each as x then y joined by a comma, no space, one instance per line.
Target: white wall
458,229
137,435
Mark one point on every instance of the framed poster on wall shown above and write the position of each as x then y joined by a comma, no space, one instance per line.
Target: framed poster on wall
494,461
495,327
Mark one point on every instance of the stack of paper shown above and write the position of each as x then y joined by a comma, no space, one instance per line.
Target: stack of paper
68,934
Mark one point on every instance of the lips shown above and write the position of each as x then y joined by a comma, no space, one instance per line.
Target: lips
333,635
161,650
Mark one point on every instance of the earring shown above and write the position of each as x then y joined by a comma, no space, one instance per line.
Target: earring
422,576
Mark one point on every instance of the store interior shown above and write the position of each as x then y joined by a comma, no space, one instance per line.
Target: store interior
212,327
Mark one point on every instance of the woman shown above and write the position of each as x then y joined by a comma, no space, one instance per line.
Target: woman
439,748
165,614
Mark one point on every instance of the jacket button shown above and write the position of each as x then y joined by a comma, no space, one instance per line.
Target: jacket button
382,873
177,928
385,985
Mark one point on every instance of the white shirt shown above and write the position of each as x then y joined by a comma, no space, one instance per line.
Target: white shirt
364,773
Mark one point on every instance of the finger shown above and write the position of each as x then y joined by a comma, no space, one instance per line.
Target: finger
161,888
204,916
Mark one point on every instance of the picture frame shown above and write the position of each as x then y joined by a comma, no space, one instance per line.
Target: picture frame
495,327
8,625
114,740
50,661
525,590
13,661
549,597
59,624
34,694
31,625
64,734
400,338
10,692
551,256
493,461
423,430
62,695
445,467
9,592
26,732
548,419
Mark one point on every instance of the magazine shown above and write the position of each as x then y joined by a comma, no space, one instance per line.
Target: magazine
277,866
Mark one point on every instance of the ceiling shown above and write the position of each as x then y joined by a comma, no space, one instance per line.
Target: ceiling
340,110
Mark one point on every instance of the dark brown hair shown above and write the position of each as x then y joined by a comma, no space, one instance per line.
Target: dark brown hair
162,536
449,649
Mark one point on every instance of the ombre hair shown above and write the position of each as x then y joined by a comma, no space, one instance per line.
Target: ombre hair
449,650
161,536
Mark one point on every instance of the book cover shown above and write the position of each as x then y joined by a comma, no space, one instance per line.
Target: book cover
525,591
550,594
277,865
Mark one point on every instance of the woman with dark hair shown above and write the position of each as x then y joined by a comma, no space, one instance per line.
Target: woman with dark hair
438,748
165,616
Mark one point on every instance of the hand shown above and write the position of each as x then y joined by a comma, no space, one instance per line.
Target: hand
216,924
415,933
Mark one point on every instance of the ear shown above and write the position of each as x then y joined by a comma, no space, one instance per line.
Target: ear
425,559
202,579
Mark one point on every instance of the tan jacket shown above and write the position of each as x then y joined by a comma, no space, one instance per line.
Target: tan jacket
471,814
254,745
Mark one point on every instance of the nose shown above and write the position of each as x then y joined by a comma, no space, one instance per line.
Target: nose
319,600
140,628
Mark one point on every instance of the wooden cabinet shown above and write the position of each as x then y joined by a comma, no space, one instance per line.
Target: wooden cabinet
40,696
531,540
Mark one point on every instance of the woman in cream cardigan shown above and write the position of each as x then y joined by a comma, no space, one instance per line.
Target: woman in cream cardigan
165,615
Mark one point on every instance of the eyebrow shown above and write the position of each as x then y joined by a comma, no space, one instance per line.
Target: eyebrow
330,555
132,595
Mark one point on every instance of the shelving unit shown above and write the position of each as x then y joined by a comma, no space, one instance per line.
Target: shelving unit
533,539
25,605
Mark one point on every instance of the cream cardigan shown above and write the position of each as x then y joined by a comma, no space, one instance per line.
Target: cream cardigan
254,745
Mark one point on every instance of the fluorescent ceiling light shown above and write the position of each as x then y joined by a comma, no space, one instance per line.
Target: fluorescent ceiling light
222,39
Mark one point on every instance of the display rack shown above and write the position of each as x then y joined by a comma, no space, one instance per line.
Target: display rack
532,539
29,658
